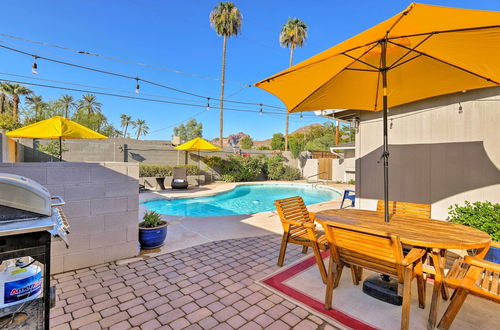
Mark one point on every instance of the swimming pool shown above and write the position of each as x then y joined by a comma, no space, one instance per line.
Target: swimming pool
243,199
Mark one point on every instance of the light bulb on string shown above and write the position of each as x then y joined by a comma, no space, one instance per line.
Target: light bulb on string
460,109
137,87
260,110
34,67
208,104
301,116
390,125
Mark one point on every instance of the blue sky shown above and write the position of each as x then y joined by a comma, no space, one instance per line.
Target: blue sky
177,35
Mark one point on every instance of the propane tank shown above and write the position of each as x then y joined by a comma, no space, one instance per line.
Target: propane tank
21,281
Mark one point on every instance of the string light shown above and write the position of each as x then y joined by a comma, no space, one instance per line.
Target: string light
137,87
260,110
34,66
208,104
460,109
301,116
390,125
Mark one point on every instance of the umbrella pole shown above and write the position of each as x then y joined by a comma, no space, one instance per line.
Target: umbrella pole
60,149
385,153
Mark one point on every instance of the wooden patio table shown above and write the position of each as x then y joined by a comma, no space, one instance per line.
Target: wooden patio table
434,235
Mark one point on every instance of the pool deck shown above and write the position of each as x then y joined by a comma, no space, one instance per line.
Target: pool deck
184,232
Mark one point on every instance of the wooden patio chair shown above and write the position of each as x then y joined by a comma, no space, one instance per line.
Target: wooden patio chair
474,276
376,251
404,208
299,228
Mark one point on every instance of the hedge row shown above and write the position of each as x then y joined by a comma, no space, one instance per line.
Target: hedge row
161,171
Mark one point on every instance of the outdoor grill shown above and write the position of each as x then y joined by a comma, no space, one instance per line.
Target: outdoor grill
29,218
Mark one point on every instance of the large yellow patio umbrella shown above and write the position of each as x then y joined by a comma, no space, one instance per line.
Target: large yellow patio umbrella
197,144
421,52
56,128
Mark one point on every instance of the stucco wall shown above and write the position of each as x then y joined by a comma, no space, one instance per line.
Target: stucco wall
343,169
101,206
443,150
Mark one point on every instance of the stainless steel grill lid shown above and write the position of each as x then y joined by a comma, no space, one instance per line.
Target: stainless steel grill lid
21,193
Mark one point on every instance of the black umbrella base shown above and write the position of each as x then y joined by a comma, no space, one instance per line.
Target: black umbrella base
383,288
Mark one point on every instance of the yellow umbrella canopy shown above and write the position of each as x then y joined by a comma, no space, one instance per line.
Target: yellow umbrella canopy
54,128
429,51
421,52
197,144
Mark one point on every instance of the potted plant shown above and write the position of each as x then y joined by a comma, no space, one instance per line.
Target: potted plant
152,230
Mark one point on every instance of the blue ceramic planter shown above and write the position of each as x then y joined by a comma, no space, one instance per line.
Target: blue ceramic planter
151,238
493,255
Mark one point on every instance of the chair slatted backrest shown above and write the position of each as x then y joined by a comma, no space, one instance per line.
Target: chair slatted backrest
179,173
404,208
376,251
292,209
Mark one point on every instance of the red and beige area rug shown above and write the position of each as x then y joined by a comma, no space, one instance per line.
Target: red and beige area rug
301,283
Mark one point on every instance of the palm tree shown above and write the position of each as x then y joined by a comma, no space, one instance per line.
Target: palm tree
293,34
226,20
67,103
141,128
3,107
15,91
126,121
90,104
36,103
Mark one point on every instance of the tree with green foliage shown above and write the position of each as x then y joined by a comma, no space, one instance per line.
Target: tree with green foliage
15,91
36,104
226,20
52,148
126,121
89,104
67,103
278,142
192,129
296,146
246,142
141,128
293,34
263,148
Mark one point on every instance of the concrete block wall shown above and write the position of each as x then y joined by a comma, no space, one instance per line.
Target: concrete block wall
101,206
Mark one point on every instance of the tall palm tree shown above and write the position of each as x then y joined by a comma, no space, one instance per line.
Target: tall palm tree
15,91
3,104
67,103
36,103
226,20
126,121
89,104
293,34
141,128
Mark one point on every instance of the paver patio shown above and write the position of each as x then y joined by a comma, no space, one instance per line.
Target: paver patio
201,287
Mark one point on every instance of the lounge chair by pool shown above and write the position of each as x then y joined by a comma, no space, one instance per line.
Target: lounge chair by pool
179,180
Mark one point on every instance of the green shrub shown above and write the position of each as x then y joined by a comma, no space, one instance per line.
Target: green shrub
275,167
158,171
151,219
480,215
190,169
290,174
228,178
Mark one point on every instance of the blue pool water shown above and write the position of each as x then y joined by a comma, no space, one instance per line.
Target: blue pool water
245,199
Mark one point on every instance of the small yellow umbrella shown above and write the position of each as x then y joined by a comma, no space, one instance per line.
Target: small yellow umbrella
197,144
56,128
422,52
